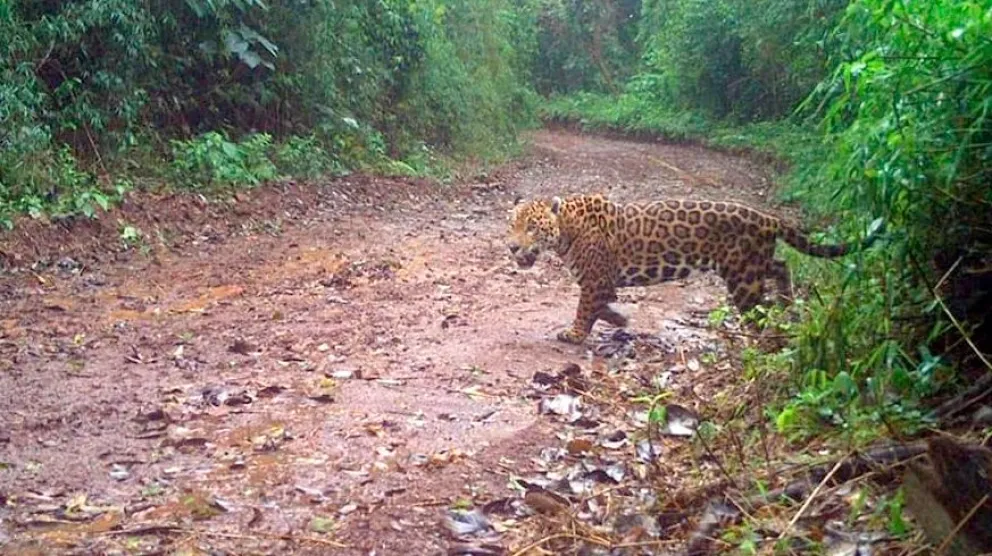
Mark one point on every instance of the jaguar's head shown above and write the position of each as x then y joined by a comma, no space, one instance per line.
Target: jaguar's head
533,228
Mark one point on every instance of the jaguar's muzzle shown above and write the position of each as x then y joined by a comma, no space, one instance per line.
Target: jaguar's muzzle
525,257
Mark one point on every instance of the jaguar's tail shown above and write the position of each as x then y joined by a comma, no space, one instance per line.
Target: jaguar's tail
800,240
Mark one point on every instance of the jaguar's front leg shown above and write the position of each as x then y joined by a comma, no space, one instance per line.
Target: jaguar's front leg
594,303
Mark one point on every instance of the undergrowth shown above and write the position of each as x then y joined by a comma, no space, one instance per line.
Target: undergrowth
847,369
230,94
638,113
897,130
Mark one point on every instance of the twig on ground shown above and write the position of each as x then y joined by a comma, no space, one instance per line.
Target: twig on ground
655,464
738,447
847,469
811,497
152,529
682,174
762,431
974,394
757,336
429,503
555,537
641,544
954,320
718,461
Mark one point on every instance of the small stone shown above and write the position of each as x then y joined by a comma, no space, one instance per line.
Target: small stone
119,472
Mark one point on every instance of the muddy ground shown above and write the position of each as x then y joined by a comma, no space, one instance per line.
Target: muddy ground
340,361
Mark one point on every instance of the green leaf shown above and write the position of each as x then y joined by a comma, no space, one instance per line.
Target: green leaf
786,419
234,43
197,8
844,384
897,525
658,414
230,149
102,200
250,58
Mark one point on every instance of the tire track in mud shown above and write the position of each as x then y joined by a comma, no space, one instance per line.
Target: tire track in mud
366,367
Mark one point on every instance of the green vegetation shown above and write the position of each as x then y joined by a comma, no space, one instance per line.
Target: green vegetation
882,109
212,160
233,92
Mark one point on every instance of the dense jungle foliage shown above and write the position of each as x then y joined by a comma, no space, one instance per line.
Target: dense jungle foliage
96,94
882,108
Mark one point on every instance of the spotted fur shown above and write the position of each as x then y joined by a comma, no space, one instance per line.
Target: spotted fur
607,245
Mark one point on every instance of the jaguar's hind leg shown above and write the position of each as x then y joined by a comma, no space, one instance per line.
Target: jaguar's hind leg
745,294
779,271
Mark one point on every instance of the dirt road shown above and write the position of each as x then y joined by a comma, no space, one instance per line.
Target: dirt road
342,361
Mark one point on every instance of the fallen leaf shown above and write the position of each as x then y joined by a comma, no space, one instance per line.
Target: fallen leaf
200,506
323,398
240,398
614,441
270,391
601,476
544,379
646,451
476,550
256,518
188,445
463,523
545,502
243,347
502,506
680,421
474,392
319,524
562,404
577,446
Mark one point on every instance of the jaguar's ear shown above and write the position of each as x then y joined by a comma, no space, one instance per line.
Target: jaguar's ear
518,199
556,203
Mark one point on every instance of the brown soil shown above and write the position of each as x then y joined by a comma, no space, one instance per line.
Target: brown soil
355,349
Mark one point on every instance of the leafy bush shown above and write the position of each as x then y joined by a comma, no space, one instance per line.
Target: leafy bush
116,80
306,157
61,190
908,124
472,92
700,48
630,112
213,160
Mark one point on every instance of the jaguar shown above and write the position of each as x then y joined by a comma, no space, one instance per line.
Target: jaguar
608,245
